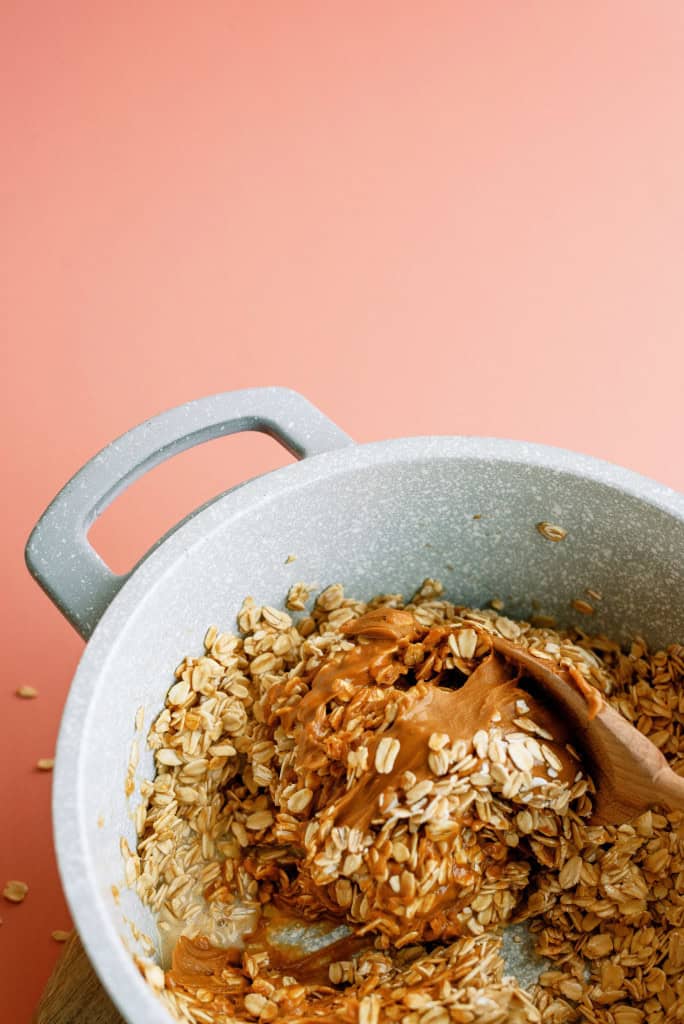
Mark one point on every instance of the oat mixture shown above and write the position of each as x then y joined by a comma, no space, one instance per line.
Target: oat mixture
376,777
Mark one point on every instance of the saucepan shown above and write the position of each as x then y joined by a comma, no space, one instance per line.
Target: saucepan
378,517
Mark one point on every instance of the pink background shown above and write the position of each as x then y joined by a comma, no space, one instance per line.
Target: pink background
429,217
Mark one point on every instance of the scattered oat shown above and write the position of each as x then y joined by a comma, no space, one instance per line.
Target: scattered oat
27,692
525,822
15,891
569,874
582,606
297,597
45,764
438,740
254,1003
507,627
598,946
169,757
279,620
369,1010
552,532
154,976
299,801
571,989
259,820
481,743
466,640
543,621
60,936
520,756
331,598
386,754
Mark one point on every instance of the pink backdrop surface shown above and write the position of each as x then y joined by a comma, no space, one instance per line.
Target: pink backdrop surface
428,217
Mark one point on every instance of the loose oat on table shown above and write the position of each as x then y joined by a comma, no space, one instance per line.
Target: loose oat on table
27,692
15,891
244,828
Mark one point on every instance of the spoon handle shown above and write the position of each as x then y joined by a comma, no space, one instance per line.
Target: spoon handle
668,790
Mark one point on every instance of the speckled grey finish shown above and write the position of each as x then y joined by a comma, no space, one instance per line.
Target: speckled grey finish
378,517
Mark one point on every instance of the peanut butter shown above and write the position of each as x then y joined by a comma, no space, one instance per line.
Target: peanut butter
387,707
197,963
456,707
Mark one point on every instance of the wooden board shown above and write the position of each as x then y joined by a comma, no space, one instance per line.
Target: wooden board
74,994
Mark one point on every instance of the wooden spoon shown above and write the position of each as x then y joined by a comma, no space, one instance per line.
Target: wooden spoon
629,772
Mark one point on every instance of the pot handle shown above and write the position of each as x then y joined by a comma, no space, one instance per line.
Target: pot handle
58,553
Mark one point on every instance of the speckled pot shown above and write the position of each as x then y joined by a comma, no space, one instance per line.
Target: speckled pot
378,517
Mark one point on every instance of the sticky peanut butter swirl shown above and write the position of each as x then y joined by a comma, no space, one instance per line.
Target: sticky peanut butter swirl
414,767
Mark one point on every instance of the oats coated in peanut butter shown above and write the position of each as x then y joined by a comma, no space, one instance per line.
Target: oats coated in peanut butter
347,811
